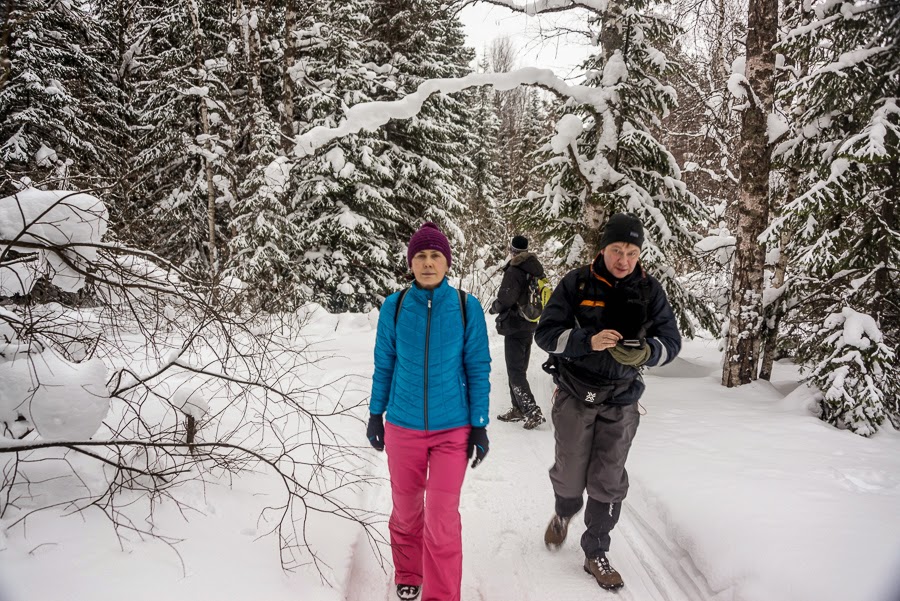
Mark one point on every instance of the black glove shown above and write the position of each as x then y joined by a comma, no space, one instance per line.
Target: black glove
375,432
496,307
478,445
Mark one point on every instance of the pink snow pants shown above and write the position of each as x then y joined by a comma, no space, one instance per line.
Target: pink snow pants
427,471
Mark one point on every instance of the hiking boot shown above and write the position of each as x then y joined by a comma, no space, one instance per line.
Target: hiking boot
534,419
607,577
407,592
513,415
556,532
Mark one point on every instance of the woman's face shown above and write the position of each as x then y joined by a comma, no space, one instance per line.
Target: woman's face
429,267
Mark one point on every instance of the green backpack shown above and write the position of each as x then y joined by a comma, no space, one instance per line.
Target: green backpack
537,295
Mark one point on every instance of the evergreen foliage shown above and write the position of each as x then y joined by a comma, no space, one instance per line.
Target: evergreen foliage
616,164
429,154
482,223
844,237
343,197
169,196
61,114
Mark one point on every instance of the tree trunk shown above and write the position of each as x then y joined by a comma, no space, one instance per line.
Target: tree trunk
771,332
194,14
745,309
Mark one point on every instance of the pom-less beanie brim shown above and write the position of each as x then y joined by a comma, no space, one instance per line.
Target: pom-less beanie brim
429,237
623,227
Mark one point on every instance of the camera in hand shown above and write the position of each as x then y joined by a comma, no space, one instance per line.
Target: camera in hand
631,342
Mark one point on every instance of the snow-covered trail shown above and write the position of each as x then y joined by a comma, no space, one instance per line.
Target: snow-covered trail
506,504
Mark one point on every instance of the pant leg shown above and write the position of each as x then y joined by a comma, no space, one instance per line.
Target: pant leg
573,429
407,455
443,527
600,518
607,483
614,432
517,349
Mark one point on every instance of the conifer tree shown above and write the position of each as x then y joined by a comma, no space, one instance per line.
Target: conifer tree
482,223
604,158
263,236
843,226
181,99
61,114
342,197
429,154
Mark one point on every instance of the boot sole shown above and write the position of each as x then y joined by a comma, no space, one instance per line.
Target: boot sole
606,587
508,421
532,427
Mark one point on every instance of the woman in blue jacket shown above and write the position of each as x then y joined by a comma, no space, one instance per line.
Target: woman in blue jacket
432,368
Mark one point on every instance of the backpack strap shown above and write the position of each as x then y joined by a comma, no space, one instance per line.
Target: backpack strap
400,304
462,305
463,298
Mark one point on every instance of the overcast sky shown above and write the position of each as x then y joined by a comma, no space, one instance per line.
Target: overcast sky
483,23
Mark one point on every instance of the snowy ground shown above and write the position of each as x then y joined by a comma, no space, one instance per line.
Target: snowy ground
737,495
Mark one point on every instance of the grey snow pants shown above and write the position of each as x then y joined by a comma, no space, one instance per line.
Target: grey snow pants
592,444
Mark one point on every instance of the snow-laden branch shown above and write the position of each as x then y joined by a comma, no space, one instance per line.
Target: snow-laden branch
372,115
535,7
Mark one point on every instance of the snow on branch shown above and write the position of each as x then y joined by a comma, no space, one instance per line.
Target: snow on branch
534,7
371,115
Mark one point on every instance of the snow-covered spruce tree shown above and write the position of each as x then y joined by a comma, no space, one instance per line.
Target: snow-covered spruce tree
263,235
844,236
429,154
183,179
341,197
605,159
61,114
482,223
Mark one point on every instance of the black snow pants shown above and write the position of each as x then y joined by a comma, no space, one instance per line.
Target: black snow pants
517,349
592,444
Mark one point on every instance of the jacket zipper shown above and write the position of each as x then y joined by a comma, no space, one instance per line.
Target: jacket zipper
427,335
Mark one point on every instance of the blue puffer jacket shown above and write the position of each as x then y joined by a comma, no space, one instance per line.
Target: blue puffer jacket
430,372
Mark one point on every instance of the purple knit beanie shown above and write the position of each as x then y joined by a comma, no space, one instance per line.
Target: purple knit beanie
429,237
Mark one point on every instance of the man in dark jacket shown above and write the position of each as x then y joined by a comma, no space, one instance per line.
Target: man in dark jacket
517,331
603,322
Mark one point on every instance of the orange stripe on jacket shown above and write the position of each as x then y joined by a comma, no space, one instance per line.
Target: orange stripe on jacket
592,303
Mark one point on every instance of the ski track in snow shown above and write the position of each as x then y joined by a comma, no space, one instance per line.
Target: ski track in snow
504,516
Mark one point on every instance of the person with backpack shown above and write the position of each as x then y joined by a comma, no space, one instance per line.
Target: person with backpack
432,383
603,323
519,274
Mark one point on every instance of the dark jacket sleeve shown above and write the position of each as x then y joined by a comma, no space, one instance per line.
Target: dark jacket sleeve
558,333
662,335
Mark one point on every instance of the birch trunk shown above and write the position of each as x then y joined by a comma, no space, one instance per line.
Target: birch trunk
745,308
197,34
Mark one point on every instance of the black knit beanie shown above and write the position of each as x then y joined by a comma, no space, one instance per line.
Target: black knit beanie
622,227
518,244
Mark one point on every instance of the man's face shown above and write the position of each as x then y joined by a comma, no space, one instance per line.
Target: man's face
429,267
620,258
